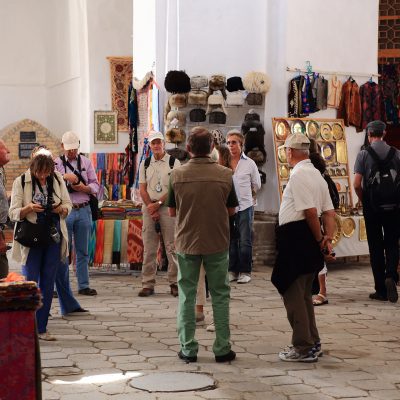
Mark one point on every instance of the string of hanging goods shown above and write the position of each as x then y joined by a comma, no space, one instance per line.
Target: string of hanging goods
306,71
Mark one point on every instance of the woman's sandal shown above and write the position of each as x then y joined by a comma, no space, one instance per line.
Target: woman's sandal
318,302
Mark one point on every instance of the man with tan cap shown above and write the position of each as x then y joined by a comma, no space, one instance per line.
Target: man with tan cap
154,175
301,247
80,178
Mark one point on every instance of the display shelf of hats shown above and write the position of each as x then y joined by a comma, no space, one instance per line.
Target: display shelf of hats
191,94
330,137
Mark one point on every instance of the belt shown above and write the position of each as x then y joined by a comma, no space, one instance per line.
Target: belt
78,206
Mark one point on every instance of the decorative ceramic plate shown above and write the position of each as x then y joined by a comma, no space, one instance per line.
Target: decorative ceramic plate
284,172
326,131
282,129
282,155
331,172
338,172
298,126
349,227
344,172
338,231
328,151
338,187
337,131
312,129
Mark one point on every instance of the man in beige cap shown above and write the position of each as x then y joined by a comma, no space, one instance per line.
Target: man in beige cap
301,247
81,180
154,175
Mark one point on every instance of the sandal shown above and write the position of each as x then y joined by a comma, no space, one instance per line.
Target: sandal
317,302
88,292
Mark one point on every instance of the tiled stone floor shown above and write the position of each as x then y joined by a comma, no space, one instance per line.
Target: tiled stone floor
125,336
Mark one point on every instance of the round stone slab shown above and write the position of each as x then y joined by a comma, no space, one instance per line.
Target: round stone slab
172,382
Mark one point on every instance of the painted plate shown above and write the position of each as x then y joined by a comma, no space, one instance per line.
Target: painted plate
344,172
312,129
349,227
337,131
284,172
326,131
328,151
282,155
338,231
338,187
282,129
338,172
330,172
298,126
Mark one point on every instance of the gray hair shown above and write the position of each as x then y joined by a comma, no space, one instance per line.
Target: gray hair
200,140
300,152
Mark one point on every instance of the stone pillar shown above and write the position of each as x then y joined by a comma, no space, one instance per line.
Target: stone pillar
263,239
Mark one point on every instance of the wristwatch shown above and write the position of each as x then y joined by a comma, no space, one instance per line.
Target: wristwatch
159,202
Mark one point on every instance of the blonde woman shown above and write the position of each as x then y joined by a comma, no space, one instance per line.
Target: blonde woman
42,186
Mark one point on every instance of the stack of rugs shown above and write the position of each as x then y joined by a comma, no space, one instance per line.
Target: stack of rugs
112,212
20,296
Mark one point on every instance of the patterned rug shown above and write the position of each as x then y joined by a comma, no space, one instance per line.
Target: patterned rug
121,78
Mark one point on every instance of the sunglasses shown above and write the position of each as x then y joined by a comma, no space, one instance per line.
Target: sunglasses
232,142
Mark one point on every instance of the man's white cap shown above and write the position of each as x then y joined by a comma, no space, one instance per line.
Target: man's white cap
155,135
296,141
70,141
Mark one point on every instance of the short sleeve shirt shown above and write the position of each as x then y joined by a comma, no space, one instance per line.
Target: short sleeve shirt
306,189
157,173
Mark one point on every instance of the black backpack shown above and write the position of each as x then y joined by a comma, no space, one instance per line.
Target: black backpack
383,187
333,192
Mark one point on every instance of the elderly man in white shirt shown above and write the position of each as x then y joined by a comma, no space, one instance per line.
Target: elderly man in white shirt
248,177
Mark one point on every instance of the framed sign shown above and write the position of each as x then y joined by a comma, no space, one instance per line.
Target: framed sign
27,136
25,149
105,127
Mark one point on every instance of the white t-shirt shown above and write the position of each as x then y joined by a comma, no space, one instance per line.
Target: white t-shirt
306,189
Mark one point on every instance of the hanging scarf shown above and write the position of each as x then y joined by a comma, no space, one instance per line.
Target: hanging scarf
92,242
116,256
94,160
100,161
99,249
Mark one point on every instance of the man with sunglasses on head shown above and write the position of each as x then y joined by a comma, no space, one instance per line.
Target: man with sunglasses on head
248,177
79,222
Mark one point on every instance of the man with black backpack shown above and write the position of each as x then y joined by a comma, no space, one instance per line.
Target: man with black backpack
376,183
81,180
154,175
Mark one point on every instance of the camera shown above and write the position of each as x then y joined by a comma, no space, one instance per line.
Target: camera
158,227
54,234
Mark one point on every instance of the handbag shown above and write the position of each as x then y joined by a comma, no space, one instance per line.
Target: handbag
35,236
197,115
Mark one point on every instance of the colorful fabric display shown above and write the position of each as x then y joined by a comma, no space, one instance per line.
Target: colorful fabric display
115,192
98,254
100,161
116,256
94,160
124,241
135,244
108,241
100,193
92,242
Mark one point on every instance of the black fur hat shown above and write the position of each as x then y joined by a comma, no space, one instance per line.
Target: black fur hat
233,84
178,153
177,82
247,125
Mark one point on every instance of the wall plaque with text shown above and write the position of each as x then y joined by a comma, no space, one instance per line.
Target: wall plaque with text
27,136
25,149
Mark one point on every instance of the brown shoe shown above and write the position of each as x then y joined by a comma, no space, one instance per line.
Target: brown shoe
145,292
174,290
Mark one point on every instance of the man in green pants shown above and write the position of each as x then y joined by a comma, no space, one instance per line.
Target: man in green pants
201,195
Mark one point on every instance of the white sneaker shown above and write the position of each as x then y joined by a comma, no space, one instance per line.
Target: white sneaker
293,356
200,319
46,336
211,327
232,277
243,278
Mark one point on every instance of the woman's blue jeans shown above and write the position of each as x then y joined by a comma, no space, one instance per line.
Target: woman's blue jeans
241,250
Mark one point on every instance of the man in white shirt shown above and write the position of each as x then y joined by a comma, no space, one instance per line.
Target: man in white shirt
248,177
301,247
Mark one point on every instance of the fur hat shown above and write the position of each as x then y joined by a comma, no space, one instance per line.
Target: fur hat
177,82
179,154
198,81
218,137
175,100
234,84
254,144
247,125
175,135
197,97
217,82
234,99
215,101
217,116
263,176
252,116
197,115
255,99
257,82
179,115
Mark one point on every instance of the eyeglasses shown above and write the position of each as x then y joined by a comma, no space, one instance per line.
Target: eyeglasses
231,142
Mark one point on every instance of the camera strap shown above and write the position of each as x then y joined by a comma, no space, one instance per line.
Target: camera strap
66,164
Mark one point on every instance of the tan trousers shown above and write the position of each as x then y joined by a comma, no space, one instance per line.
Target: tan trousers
300,313
201,288
151,243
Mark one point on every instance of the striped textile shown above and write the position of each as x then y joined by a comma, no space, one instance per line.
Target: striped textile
124,241
135,243
98,254
92,242
108,241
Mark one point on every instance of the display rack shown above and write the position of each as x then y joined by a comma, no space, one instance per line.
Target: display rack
332,166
